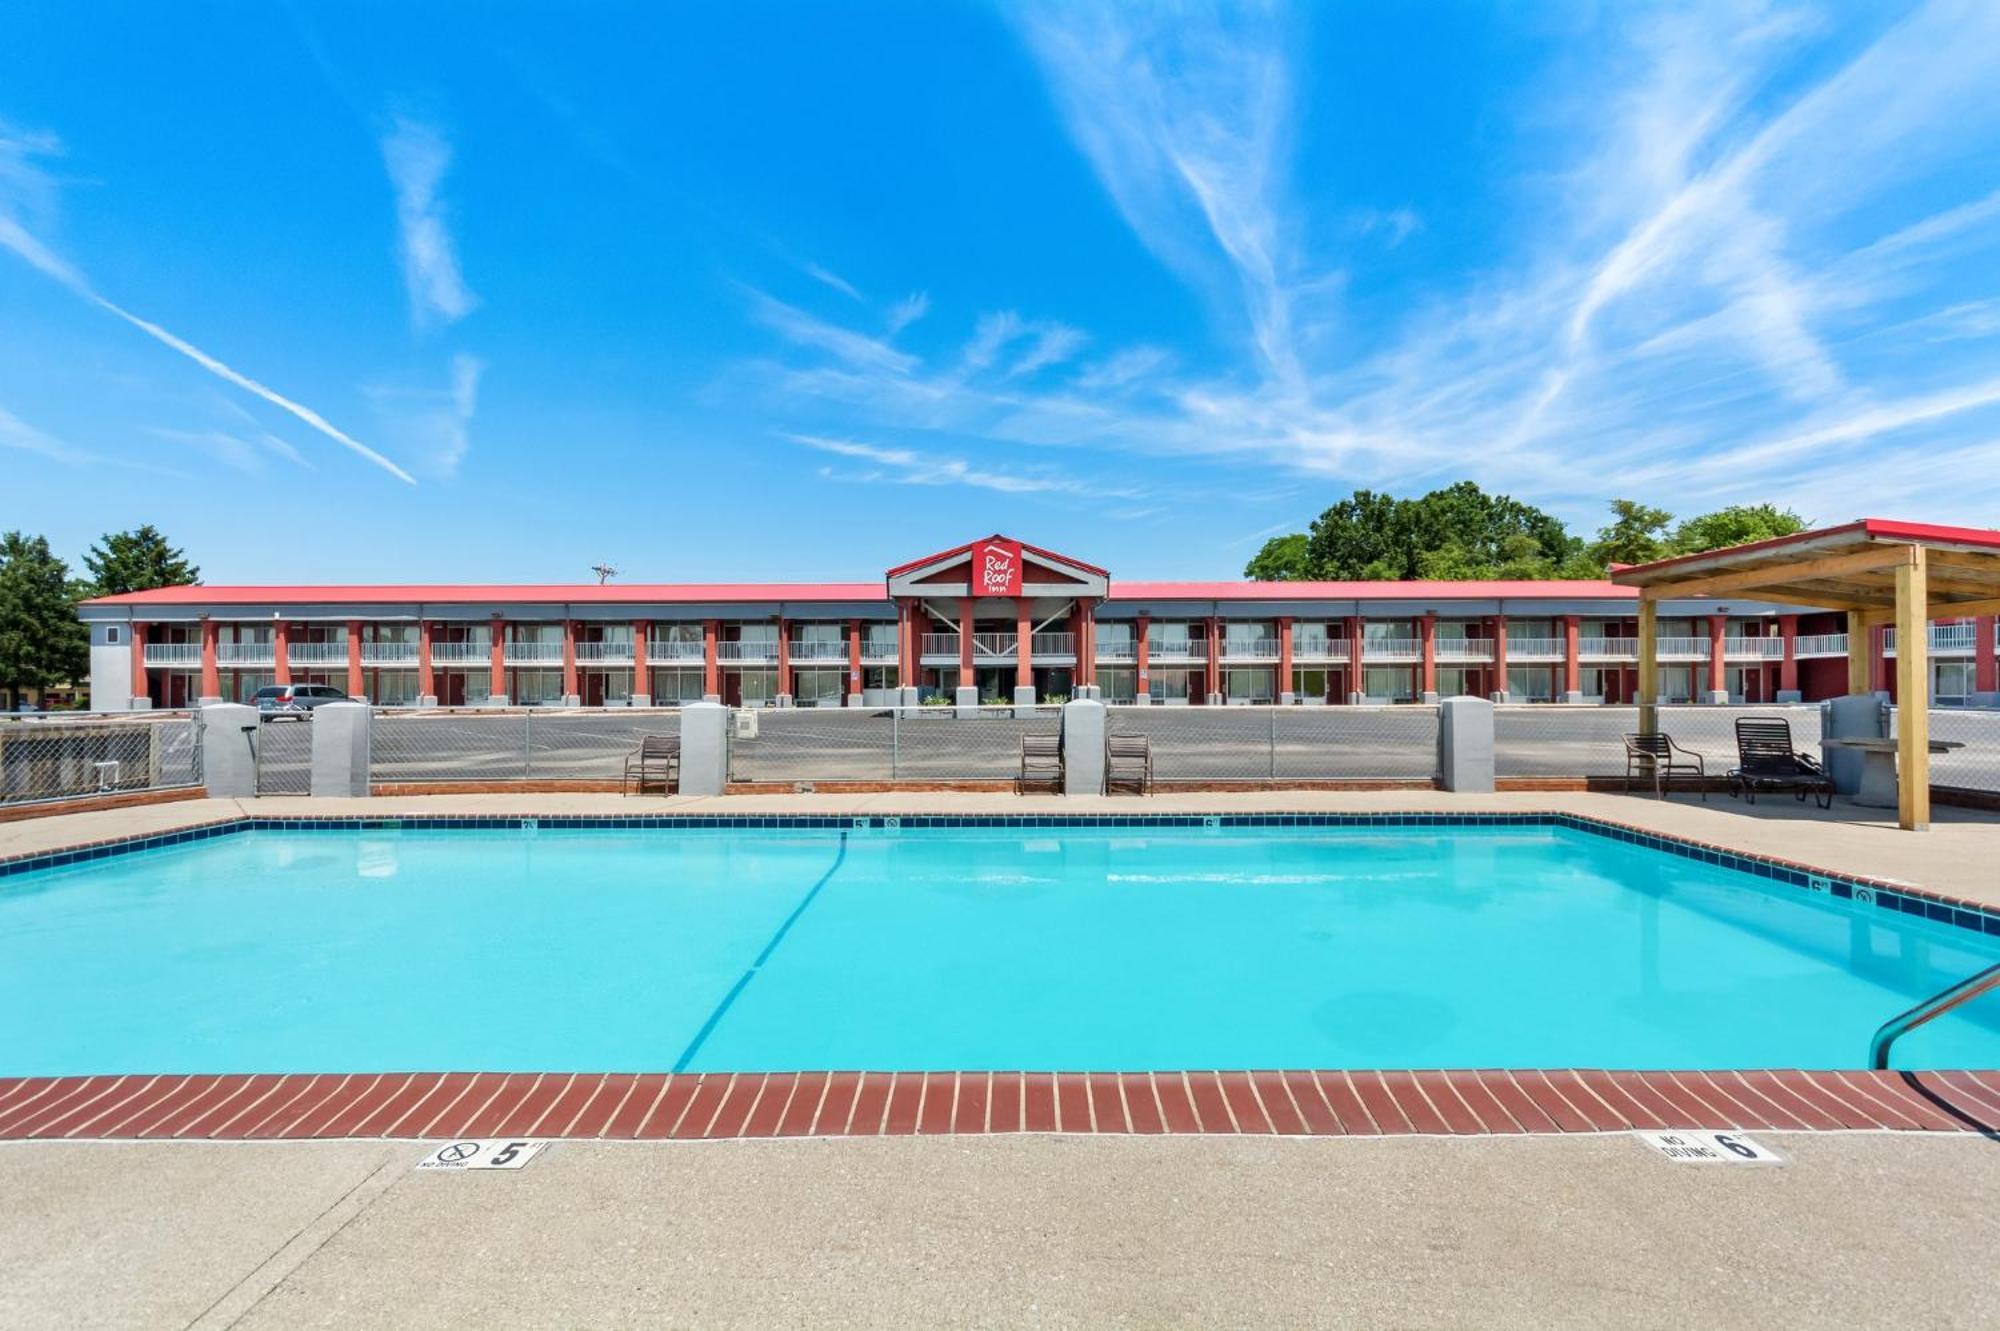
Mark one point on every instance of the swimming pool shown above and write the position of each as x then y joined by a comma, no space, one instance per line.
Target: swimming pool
1328,943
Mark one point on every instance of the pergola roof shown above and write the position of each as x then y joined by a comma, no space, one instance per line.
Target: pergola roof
1849,567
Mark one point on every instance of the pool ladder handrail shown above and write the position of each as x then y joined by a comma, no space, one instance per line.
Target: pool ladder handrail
1931,1008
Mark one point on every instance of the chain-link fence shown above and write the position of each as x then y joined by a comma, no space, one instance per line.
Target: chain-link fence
1975,765
788,745
1552,740
57,756
1285,743
549,744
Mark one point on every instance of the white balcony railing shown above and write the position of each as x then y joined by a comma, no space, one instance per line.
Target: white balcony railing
1183,649
1250,649
614,652
1052,644
1756,649
461,653
1115,650
990,645
1950,638
1822,644
675,649
1318,647
534,653
388,653
1464,649
245,653
1537,649
747,651
1607,649
173,653
1682,649
941,644
317,653
817,649
878,649
1392,649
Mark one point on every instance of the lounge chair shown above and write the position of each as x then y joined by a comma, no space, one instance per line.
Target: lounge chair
1041,763
657,761
1767,761
1128,763
1656,755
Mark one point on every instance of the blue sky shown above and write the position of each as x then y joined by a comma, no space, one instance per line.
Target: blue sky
409,292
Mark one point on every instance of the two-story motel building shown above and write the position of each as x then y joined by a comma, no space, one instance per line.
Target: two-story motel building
989,620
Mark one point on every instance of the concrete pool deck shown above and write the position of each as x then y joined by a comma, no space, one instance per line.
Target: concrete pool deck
1858,1230
1958,857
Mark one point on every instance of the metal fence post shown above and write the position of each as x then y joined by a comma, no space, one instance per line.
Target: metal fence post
1274,744
895,742
527,745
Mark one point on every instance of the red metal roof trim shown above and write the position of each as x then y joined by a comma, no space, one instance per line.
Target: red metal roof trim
581,593
1870,529
1552,589
966,549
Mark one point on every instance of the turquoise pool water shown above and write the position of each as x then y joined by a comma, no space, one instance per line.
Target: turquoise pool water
962,948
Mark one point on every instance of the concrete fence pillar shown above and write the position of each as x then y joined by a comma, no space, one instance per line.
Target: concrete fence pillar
1465,744
1083,724
340,749
228,750
704,748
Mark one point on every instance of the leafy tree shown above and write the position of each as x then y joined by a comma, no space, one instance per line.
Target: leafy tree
137,561
1637,535
41,640
1283,559
1738,524
1457,533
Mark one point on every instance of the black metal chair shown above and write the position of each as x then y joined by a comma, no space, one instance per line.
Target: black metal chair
1656,755
657,761
1128,764
1041,763
1766,761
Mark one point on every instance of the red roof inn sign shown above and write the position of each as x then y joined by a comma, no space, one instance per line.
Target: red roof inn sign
996,568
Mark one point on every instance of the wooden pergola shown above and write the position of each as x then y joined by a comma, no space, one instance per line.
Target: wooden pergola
1879,572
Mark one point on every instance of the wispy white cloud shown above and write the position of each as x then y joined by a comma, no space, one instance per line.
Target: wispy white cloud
832,279
249,453
25,185
433,424
907,466
907,311
807,330
22,437
1053,344
417,156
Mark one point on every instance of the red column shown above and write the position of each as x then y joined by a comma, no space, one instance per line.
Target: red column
642,673
1144,687
1284,656
1572,655
1428,628
1985,655
965,642
711,667
1500,654
426,676
496,680
354,685
1788,664
570,683
854,656
1087,646
906,645
211,671
1024,660
139,662
1353,656
1214,681
281,652
784,658
1718,659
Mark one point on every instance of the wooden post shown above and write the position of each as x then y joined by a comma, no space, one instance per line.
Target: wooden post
1649,663
1913,694
1858,664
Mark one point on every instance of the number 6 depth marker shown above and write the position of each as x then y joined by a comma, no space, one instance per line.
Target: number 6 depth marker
1711,1148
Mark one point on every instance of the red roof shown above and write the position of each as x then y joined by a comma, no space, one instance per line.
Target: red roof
588,593
1049,555
1552,589
1861,529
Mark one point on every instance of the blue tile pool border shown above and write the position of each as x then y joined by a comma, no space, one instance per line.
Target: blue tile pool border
1889,896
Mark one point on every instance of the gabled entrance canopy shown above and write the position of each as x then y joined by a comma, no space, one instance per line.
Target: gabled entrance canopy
1879,572
998,566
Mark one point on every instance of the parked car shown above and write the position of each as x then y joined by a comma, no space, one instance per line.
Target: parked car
296,700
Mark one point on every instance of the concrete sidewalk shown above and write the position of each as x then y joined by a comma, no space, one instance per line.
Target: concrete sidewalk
1860,1230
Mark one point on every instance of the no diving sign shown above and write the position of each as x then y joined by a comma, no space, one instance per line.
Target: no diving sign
496,1154
1710,1148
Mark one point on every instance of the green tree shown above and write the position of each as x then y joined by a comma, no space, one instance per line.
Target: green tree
1637,535
1739,524
41,640
1456,533
137,561
1283,559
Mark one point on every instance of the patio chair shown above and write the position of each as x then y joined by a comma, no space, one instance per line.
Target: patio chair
1128,763
1657,755
1041,763
1766,761
657,761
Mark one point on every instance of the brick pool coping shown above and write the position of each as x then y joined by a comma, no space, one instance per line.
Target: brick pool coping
717,1106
